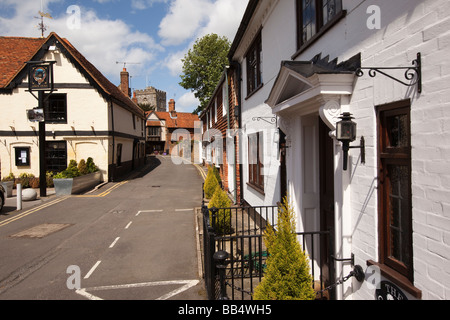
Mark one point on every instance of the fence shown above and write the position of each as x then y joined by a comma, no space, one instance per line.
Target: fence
235,254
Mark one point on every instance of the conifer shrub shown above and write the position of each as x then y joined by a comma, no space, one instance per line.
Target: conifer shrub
91,167
211,184
222,222
288,275
82,167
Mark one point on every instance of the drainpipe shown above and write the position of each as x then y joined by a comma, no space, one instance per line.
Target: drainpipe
237,66
112,174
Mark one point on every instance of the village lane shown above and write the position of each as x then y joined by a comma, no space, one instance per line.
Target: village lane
130,240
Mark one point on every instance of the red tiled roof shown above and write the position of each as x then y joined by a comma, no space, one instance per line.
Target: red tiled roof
182,120
15,51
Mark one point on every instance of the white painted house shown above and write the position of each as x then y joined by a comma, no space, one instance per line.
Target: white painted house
308,62
87,115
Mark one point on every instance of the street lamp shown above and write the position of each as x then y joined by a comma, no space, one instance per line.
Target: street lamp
346,133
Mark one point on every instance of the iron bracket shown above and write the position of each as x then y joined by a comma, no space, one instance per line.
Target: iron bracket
413,74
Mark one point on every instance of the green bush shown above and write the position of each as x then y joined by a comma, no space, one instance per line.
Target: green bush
288,274
222,221
25,179
11,177
211,184
82,167
71,171
91,167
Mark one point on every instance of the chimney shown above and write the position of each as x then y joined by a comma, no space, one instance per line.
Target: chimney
171,105
125,83
134,99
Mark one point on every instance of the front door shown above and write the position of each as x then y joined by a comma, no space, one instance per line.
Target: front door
326,156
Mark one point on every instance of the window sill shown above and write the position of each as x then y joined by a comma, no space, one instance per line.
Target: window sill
321,32
254,91
256,188
399,279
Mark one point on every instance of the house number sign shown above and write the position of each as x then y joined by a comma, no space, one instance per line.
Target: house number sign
389,291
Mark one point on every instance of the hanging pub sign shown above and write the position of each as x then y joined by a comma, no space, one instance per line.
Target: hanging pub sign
389,291
40,76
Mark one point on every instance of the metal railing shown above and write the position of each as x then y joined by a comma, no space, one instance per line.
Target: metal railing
235,254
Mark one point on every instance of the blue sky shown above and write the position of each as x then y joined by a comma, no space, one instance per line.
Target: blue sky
151,35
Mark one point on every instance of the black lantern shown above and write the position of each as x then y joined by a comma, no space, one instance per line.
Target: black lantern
346,133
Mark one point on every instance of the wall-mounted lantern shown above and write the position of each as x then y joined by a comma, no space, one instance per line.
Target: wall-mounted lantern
346,133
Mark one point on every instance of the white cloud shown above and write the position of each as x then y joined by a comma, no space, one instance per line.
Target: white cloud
101,41
192,19
187,103
183,20
143,4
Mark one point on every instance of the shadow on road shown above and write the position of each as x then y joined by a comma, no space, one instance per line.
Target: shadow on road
152,164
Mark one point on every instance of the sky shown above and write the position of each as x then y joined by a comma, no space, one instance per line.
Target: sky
150,36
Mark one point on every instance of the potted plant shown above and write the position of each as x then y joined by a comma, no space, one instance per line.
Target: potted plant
77,178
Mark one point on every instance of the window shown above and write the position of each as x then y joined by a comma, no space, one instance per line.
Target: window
395,208
55,108
314,16
22,156
56,155
154,134
254,62
255,161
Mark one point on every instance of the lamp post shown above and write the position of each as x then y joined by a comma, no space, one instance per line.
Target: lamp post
40,79
346,133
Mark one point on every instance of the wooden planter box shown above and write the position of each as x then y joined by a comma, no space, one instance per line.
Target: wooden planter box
64,187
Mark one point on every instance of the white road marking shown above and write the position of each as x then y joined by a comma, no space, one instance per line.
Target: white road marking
148,211
114,243
128,225
92,270
183,210
187,284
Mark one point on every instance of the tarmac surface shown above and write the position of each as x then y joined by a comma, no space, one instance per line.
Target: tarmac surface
134,239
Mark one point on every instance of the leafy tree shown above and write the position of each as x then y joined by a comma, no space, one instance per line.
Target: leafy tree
203,66
288,274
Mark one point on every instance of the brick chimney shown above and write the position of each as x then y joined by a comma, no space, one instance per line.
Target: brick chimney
125,83
171,105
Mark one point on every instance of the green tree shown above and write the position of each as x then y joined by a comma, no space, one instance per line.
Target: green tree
203,66
288,274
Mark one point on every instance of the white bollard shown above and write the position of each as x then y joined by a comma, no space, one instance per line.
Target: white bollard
19,197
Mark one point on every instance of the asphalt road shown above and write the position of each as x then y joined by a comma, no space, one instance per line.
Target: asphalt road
129,240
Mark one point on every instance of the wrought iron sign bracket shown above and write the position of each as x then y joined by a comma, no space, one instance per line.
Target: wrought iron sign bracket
267,119
413,74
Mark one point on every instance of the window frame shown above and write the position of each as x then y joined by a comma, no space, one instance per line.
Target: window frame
255,170
387,157
18,156
320,26
52,98
49,160
254,66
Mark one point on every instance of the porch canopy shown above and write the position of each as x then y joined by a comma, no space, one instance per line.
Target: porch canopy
303,87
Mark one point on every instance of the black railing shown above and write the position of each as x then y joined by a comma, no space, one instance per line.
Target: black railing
239,232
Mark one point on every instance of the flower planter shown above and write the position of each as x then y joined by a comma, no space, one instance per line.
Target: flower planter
77,185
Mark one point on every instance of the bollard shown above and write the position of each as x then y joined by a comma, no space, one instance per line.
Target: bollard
19,197
220,258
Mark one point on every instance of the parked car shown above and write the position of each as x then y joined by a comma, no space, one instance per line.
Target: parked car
2,197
